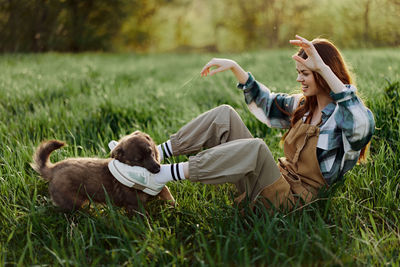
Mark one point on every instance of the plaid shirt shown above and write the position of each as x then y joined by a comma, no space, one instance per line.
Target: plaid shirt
347,125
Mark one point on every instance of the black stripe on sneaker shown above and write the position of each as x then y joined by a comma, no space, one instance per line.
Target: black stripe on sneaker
177,171
172,172
169,151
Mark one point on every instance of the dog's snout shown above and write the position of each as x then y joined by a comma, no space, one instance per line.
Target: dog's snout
154,167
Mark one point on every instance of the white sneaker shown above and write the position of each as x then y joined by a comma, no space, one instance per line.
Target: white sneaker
136,177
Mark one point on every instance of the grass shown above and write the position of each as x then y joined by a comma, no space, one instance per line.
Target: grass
89,99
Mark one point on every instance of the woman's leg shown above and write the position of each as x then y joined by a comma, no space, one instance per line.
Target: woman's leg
233,155
214,127
247,163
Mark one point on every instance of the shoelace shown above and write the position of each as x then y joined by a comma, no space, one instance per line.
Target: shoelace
141,173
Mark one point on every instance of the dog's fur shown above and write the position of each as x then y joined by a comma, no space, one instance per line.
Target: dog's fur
74,181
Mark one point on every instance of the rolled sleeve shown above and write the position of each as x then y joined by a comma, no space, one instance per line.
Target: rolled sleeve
248,84
348,93
250,89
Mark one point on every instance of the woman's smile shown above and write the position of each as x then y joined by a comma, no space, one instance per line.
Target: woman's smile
306,78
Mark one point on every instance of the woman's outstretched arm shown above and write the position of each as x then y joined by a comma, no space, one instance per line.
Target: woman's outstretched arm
270,108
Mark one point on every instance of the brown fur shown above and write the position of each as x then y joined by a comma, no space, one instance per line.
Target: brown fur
74,181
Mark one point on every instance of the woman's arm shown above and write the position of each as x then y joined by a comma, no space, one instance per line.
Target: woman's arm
270,108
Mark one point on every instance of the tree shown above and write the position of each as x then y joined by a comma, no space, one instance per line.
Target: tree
69,25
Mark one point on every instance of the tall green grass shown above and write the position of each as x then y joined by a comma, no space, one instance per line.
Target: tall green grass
89,99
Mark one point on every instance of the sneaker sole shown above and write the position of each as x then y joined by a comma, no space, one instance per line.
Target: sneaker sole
121,178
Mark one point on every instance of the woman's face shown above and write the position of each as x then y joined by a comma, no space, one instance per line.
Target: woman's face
306,77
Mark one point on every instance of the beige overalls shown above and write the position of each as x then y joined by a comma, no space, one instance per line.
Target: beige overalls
301,176
226,152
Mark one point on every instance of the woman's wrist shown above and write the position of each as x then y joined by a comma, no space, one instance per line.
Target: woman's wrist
240,74
324,69
335,84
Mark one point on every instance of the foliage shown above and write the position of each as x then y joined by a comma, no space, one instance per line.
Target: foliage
198,25
89,99
387,113
68,25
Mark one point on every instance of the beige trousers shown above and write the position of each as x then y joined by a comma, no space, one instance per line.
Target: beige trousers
225,152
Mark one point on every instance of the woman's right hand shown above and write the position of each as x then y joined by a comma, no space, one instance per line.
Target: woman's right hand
223,64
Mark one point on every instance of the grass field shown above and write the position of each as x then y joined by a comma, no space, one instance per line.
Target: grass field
89,99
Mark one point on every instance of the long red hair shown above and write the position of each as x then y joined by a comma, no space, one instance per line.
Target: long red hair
331,57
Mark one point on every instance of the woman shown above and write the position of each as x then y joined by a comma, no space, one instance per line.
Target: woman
329,129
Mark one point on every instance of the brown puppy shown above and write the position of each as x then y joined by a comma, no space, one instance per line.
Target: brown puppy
74,181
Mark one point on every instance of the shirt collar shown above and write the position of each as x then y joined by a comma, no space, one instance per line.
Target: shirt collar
328,110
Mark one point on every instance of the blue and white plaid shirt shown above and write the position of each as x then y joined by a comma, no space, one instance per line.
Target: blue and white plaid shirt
347,125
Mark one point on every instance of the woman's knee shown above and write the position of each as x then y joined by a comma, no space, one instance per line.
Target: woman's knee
257,143
226,117
220,114
225,109
228,114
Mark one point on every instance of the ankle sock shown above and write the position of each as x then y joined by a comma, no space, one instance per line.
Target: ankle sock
170,172
165,150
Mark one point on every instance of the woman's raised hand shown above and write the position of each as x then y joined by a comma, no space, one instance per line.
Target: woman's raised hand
313,62
220,64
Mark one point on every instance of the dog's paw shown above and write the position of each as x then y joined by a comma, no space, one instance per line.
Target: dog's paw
166,195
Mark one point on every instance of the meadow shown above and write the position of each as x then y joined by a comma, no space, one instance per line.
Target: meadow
91,98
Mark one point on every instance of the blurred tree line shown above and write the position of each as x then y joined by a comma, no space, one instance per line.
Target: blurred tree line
192,25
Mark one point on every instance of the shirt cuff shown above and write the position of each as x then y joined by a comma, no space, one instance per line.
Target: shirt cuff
248,85
346,94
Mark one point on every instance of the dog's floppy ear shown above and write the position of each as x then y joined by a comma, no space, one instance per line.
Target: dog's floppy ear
117,153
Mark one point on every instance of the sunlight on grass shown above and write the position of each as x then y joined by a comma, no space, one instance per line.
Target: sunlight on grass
89,99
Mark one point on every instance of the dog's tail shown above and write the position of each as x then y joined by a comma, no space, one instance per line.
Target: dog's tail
41,162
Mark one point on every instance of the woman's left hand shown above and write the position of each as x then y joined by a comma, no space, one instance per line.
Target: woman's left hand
314,61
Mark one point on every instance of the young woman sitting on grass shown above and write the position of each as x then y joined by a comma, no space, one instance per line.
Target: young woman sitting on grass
329,129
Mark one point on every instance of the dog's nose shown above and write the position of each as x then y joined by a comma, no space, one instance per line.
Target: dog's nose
157,169
152,167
